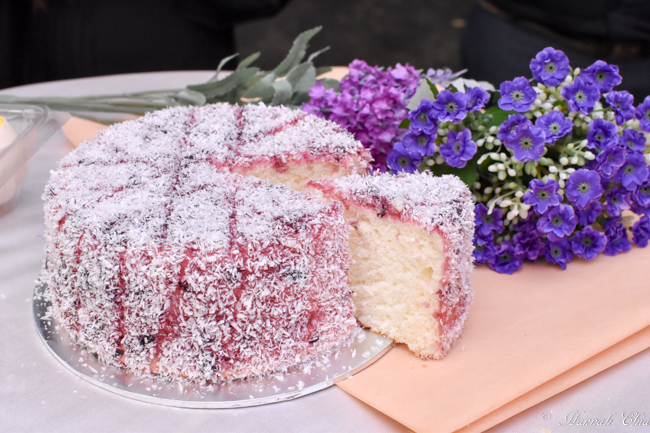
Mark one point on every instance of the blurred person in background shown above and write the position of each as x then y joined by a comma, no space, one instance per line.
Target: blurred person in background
502,36
44,40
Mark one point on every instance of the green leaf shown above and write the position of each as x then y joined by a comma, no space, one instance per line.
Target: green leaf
498,116
330,83
434,89
313,55
297,73
322,70
452,88
405,123
217,88
296,53
282,95
302,86
248,60
262,89
467,174
222,63
192,97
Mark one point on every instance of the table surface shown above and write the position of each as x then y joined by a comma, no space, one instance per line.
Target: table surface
39,394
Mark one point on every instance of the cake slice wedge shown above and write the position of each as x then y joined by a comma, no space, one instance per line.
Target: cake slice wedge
411,243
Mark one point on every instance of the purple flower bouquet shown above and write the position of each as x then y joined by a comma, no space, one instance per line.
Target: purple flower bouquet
552,161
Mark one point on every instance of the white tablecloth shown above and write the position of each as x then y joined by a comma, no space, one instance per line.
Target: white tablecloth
37,394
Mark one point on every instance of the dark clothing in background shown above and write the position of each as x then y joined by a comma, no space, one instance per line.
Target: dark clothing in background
80,38
502,36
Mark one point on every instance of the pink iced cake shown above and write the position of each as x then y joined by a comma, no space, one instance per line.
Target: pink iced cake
161,258
180,245
411,243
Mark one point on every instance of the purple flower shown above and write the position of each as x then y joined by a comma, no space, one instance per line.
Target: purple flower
641,232
505,260
623,105
581,96
516,95
485,222
583,187
590,213
507,128
450,107
527,143
458,149
588,243
602,134
542,195
618,199
399,159
484,248
443,76
423,119
554,125
558,222
641,194
558,252
603,76
617,240
421,144
528,245
632,139
633,172
477,98
609,160
525,224
550,66
643,114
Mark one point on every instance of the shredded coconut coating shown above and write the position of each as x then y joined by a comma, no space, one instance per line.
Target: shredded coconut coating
239,139
436,204
161,263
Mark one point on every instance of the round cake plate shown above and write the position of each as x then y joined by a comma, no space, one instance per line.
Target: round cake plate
360,352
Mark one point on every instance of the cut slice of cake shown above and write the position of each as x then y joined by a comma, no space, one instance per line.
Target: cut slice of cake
411,242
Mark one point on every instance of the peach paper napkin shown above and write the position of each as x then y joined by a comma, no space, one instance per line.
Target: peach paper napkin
528,337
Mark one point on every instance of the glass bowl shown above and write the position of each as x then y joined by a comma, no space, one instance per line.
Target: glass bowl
24,130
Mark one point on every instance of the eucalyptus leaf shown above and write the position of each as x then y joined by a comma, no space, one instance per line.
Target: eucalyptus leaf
296,53
192,96
262,89
283,91
217,88
322,70
249,60
222,63
315,54
296,74
330,83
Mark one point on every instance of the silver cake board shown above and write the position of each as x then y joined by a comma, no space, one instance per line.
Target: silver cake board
358,353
